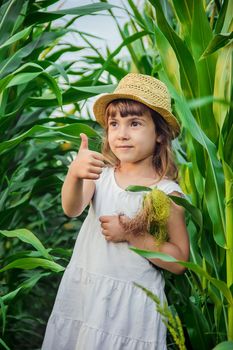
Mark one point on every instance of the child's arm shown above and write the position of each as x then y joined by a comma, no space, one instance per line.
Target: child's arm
177,245
79,187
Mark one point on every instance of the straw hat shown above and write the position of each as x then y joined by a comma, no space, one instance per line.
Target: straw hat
145,89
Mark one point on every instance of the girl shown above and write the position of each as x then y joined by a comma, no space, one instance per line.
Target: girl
97,306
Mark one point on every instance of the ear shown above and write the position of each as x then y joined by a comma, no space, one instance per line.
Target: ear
159,139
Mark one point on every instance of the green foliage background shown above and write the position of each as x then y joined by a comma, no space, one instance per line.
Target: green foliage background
188,45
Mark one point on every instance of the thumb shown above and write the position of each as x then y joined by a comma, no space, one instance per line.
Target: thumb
84,142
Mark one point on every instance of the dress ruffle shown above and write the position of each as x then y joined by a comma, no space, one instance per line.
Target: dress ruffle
117,315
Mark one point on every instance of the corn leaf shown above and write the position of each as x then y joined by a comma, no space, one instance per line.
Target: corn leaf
188,72
218,41
68,132
7,22
32,263
28,237
215,171
225,345
42,17
221,285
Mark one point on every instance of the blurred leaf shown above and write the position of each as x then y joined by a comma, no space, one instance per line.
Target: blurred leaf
215,172
199,102
32,263
14,61
25,286
184,11
42,17
126,42
200,37
213,197
56,55
61,71
224,19
67,132
4,344
188,72
99,89
113,68
168,59
198,327
43,3
31,282
69,96
53,86
14,38
86,10
7,21
216,43
226,345
3,314
22,78
223,84
221,285
28,237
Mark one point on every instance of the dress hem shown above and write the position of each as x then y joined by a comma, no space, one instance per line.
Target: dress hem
100,330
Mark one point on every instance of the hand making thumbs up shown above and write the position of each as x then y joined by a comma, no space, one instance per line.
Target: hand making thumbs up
87,164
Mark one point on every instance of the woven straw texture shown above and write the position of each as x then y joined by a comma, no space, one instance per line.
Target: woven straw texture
145,89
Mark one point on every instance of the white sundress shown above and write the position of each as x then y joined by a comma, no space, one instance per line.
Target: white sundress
97,306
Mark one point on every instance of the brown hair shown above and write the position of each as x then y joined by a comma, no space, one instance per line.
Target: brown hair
163,159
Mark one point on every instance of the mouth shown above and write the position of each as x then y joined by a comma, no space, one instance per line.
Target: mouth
124,147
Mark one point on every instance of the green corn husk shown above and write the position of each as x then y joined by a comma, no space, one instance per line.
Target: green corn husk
152,217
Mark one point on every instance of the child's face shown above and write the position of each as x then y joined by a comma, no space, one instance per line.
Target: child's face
131,138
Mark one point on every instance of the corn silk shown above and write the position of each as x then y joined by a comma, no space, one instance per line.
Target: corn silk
152,217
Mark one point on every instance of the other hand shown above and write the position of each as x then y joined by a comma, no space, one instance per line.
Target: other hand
87,164
112,229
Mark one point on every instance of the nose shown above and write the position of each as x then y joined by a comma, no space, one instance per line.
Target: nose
123,133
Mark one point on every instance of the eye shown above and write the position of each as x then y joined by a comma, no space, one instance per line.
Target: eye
112,124
135,123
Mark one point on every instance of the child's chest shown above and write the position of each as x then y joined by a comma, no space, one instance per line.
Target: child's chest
125,181
110,202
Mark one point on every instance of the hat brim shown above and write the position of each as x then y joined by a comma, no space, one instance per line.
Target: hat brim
101,103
